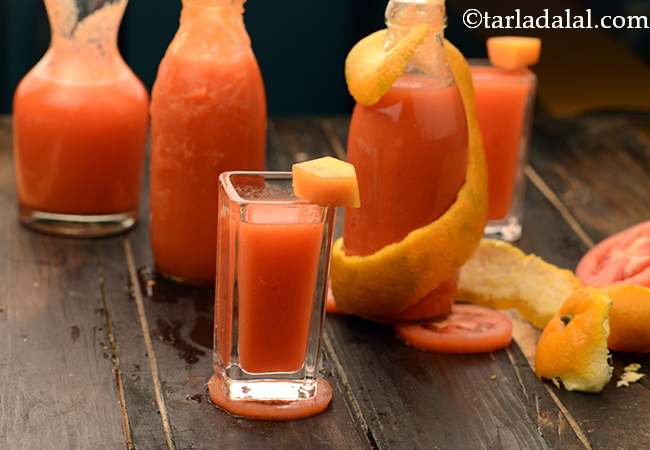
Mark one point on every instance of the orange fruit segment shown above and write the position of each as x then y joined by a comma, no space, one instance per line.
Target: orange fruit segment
327,181
501,276
514,52
629,318
573,347
400,274
371,70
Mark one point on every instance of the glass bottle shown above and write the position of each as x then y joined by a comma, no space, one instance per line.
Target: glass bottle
208,116
409,149
80,126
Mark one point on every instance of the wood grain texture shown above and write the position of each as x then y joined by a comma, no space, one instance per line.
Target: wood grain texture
599,167
143,412
57,388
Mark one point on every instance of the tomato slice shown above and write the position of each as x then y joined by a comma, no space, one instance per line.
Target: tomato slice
468,329
623,258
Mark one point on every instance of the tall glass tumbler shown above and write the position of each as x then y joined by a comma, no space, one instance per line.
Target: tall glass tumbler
505,105
273,252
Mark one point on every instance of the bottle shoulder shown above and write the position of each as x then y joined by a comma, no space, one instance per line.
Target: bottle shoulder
73,69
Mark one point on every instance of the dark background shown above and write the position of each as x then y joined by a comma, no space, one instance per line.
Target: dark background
301,47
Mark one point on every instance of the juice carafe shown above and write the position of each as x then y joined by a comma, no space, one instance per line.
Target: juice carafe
409,149
208,116
80,126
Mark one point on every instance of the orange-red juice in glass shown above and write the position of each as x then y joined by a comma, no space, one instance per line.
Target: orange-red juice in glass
504,103
273,253
276,285
80,125
410,154
208,116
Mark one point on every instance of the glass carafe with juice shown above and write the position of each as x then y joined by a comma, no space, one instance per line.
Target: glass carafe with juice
409,150
80,126
208,116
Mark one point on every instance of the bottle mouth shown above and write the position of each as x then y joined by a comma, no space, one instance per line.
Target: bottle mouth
405,14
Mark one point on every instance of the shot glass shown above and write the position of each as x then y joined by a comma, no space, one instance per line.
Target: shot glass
273,253
505,105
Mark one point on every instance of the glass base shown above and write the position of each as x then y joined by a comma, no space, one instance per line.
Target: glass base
270,399
508,230
77,225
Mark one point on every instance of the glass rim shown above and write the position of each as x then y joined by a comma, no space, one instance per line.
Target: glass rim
225,178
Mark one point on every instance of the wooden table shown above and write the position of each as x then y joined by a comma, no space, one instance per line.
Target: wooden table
96,353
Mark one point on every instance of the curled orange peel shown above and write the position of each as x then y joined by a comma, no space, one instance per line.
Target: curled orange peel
400,274
573,346
370,70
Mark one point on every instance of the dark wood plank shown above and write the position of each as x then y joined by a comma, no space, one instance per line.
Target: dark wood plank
600,169
412,399
597,170
131,351
56,359
179,319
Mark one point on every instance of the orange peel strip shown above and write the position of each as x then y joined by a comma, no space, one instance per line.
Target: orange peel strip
370,70
400,274
501,276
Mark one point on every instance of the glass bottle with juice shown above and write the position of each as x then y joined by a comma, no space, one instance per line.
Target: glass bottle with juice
208,116
409,150
80,127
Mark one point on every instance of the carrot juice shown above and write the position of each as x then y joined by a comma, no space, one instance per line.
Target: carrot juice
80,147
276,285
503,98
208,116
410,154
80,128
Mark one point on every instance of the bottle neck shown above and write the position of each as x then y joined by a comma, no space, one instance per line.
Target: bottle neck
87,23
84,39
212,27
430,58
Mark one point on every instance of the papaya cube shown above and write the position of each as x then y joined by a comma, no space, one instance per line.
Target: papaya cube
327,181
514,52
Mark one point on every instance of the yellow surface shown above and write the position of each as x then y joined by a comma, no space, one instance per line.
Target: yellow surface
327,181
400,274
573,346
501,276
